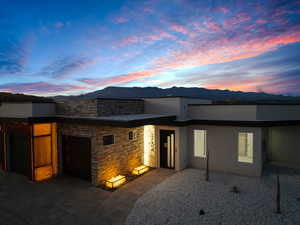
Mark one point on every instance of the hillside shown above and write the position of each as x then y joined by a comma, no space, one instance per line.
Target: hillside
10,97
219,96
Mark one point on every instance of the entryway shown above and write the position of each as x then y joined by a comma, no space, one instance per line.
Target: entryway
77,156
167,149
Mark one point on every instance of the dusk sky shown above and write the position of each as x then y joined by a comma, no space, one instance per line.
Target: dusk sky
77,46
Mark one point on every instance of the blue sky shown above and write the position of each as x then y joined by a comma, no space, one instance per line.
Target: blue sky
73,47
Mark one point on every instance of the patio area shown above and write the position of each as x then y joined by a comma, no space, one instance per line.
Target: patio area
69,200
179,200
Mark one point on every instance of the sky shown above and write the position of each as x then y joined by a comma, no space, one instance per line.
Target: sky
69,47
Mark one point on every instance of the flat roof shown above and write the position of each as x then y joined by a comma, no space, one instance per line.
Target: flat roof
132,120
232,104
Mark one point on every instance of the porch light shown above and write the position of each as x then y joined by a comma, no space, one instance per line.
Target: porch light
115,182
140,170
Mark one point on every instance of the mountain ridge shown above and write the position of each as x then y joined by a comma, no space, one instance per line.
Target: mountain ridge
216,95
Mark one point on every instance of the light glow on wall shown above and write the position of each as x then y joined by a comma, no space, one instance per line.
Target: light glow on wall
149,145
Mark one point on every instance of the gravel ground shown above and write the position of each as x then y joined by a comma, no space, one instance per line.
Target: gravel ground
179,199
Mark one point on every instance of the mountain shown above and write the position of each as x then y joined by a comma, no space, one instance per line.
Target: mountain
218,96
10,97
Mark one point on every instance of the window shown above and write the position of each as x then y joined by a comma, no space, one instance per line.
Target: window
245,147
108,140
200,143
132,135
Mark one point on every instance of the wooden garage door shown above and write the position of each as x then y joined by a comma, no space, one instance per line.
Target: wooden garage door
77,156
2,157
20,161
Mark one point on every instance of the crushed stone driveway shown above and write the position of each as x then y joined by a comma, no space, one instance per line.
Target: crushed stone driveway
70,201
179,199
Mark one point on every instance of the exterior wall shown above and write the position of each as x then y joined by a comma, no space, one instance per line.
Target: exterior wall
284,145
77,107
150,146
108,107
163,106
223,112
43,109
99,107
171,106
180,147
16,109
222,144
278,112
110,160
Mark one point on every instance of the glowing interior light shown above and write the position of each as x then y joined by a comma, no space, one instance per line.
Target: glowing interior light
140,170
115,182
148,144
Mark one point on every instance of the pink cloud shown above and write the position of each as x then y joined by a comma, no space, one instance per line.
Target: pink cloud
39,88
183,30
129,40
121,19
123,78
261,21
235,20
223,10
251,84
200,28
212,25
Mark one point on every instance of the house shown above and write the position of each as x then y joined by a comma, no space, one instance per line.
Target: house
96,139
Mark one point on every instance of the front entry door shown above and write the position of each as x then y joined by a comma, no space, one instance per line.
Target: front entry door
167,149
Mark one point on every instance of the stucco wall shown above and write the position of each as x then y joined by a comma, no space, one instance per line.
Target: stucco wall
222,144
284,145
164,106
109,160
278,112
16,109
222,112
43,109
171,106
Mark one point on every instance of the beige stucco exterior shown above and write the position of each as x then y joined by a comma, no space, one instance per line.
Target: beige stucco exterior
222,144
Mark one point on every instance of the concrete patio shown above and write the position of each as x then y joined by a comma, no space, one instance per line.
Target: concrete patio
68,200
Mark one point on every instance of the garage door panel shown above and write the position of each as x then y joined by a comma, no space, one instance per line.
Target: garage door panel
77,156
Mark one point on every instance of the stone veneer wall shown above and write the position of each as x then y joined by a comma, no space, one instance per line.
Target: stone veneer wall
109,160
77,107
99,107
107,107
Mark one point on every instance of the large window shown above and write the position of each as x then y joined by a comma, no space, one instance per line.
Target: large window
245,147
200,143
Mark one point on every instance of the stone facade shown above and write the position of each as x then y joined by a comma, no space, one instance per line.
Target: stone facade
110,160
99,107
77,107
108,107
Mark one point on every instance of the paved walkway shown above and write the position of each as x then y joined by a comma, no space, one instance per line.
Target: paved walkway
69,201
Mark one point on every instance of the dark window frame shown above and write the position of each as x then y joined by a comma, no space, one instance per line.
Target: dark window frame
108,140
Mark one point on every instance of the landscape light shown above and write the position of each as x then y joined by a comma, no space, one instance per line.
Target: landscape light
140,170
115,182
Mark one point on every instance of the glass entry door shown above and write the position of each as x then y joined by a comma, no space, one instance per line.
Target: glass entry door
167,149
